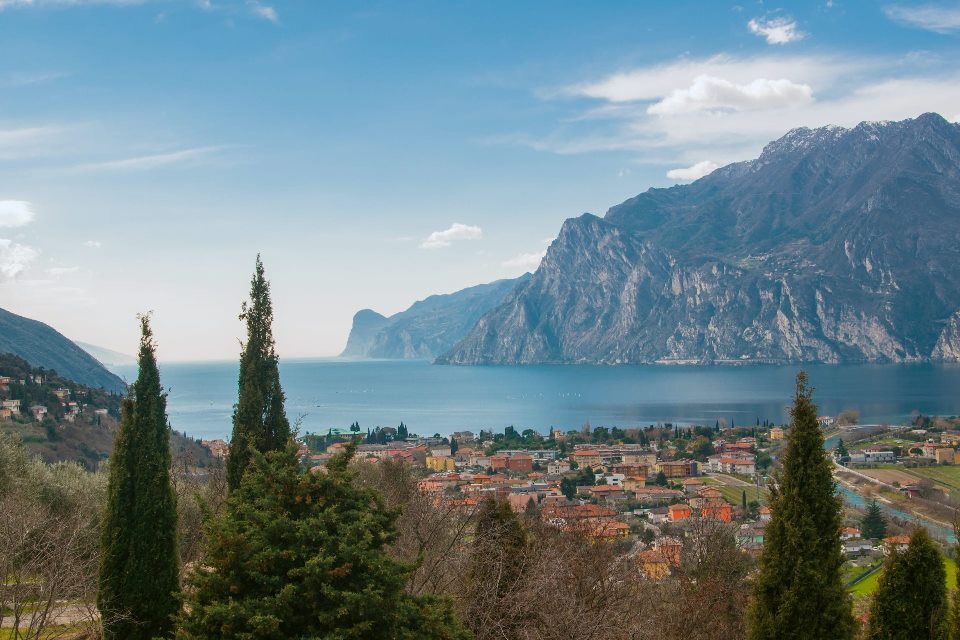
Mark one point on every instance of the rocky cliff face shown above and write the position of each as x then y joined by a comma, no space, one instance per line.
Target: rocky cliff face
429,327
835,245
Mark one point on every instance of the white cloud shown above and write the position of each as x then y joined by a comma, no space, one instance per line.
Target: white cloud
526,261
940,18
457,231
776,30
147,162
56,272
14,259
693,172
708,93
263,11
93,244
15,213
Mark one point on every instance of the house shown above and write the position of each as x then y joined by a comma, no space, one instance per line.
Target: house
440,452
825,421
611,530
586,458
481,461
634,483
498,462
849,533
558,467
520,463
656,494
740,465
872,457
653,564
857,547
951,438
62,394
440,463
765,513
38,411
776,434
218,448
4,383
657,515
519,502
692,485
717,510
5,414
945,455
608,493
677,468
461,436
750,534
671,548
678,512
892,543
12,405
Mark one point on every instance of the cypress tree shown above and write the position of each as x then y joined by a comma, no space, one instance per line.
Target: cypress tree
873,526
259,420
911,598
799,591
138,565
299,554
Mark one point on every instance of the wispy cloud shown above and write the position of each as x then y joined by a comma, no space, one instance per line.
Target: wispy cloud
693,172
93,244
776,30
8,4
526,261
148,162
24,78
939,18
445,238
263,11
14,258
708,93
15,213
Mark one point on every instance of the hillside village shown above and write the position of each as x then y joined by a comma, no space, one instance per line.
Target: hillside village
62,420
640,489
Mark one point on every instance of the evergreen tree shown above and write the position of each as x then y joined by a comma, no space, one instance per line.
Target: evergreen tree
496,570
873,526
138,564
799,591
743,501
259,420
454,445
911,598
304,555
841,449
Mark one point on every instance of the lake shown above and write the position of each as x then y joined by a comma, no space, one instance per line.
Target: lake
442,399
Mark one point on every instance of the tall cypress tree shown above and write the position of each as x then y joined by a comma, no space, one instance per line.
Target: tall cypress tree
911,599
138,566
873,526
259,420
799,590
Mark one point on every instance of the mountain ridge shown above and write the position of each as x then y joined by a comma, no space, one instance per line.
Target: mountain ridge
834,245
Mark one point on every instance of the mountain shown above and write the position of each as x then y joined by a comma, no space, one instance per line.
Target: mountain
429,327
43,346
107,357
835,245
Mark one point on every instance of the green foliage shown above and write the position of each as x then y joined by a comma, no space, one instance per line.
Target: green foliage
660,479
911,599
259,420
799,591
138,567
874,525
841,449
303,555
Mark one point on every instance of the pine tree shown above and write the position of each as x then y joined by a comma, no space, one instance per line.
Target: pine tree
138,564
911,598
873,526
841,449
304,555
259,420
799,591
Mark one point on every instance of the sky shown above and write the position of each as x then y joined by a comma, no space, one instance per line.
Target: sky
376,153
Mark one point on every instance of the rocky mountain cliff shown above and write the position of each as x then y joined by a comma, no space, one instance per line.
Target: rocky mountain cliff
835,245
429,327
43,346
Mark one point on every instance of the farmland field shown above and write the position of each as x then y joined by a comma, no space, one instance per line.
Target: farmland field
890,475
869,585
947,475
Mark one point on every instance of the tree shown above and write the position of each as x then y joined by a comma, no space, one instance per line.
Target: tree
743,501
911,599
873,526
496,570
138,567
841,449
259,420
799,592
453,446
304,555
660,479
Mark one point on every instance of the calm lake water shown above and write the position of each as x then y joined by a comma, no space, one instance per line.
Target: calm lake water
442,399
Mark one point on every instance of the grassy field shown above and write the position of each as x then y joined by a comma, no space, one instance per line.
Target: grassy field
869,585
946,475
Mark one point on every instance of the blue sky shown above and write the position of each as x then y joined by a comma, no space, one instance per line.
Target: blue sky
376,153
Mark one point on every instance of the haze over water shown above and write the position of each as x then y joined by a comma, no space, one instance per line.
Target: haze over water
442,399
